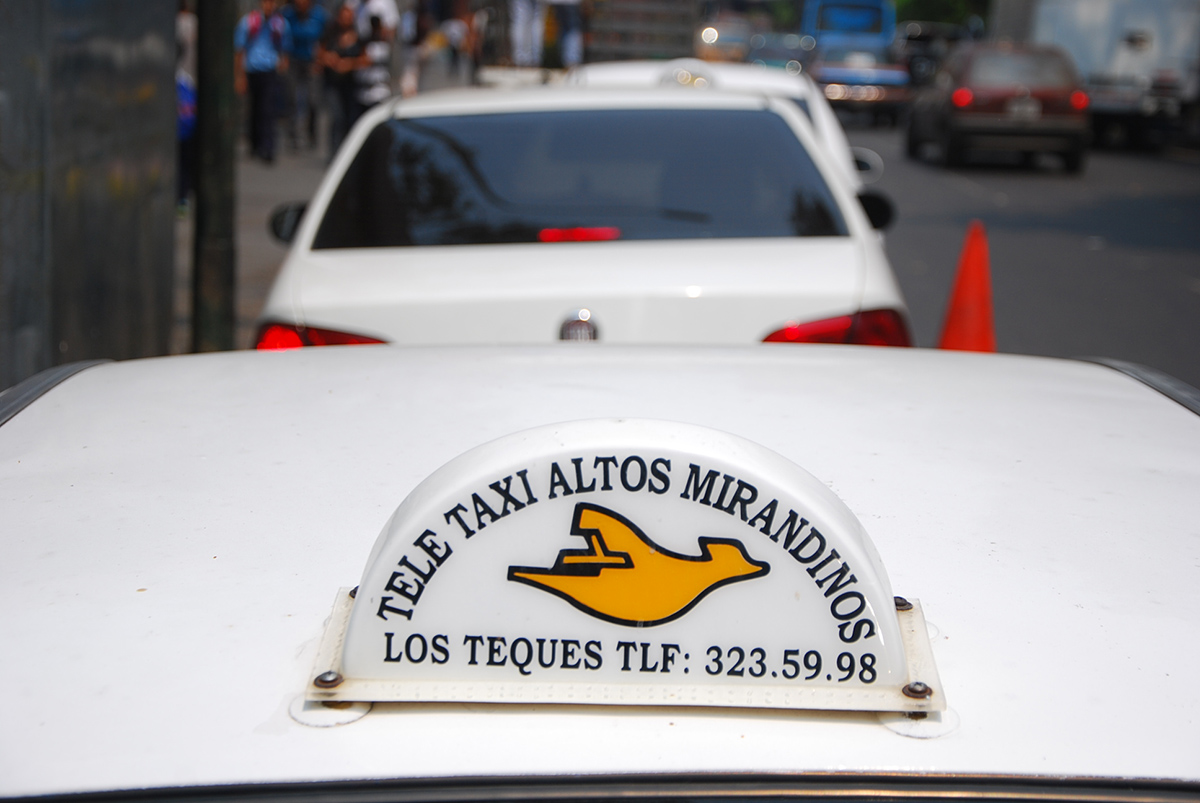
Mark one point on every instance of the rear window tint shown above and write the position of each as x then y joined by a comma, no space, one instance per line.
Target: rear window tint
648,174
850,18
1021,69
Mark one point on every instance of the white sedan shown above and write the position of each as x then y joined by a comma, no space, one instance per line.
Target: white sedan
627,216
855,164
575,574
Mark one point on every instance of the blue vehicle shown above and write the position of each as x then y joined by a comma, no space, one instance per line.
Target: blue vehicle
786,32
861,79
860,24
852,56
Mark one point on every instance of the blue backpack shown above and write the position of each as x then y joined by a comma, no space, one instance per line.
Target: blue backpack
185,104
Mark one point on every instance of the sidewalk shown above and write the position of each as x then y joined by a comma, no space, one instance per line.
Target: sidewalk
294,177
260,188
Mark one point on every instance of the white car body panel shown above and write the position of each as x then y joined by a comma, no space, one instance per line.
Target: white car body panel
700,291
723,291
175,531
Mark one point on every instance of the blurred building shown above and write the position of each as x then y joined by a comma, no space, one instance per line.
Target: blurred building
641,29
87,173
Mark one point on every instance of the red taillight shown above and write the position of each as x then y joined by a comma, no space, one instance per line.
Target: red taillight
831,330
580,234
276,337
962,97
880,327
279,336
1079,100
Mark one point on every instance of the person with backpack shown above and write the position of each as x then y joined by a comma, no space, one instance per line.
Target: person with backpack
262,41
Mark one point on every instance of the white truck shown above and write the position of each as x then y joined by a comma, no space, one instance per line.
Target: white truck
1139,59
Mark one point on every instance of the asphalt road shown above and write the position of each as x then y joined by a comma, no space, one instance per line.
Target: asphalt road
1103,264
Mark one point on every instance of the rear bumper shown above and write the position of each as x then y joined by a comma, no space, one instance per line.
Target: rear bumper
1133,102
866,96
999,133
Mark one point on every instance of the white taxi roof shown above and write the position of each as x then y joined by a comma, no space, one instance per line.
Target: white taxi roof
176,530
719,75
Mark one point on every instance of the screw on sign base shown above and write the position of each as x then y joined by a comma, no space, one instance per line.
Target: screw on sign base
328,680
969,322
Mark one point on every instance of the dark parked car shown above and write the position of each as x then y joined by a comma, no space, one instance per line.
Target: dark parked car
1001,97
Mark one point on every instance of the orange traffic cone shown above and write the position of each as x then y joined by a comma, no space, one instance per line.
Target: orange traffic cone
969,325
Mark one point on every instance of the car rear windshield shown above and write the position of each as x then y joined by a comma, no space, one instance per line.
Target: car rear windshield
997,70
850,18
641,174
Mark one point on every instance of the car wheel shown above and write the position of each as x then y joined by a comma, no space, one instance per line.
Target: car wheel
1074,160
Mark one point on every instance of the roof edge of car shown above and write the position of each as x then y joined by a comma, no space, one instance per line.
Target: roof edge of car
684,786
24,393
1174,389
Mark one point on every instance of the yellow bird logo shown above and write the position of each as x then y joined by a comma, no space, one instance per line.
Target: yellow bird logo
625,578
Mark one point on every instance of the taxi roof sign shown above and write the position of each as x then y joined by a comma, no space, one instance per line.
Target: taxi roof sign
626,562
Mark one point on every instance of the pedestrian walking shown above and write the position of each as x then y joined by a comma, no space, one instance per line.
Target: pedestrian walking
569,16
185,104
185,135
373,77
386,10
187,28
338,54
261,42
527,22
307,23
